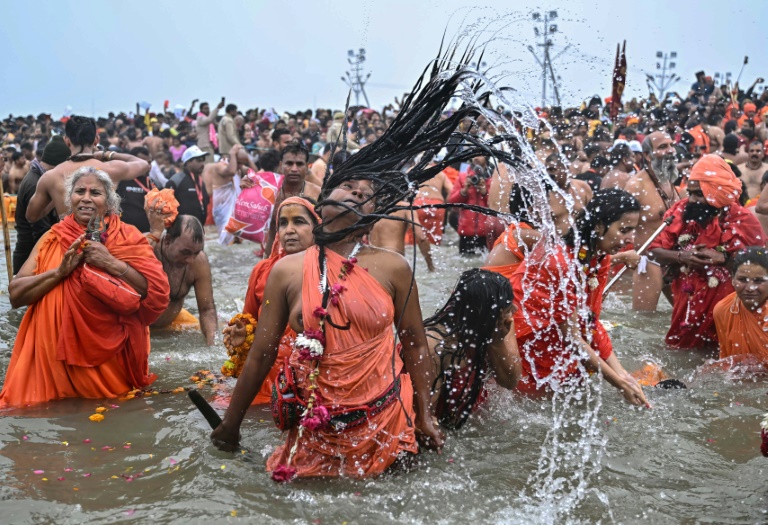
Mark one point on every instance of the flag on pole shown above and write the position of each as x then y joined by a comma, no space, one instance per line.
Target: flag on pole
619,79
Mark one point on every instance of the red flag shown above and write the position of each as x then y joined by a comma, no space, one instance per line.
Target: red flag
619,80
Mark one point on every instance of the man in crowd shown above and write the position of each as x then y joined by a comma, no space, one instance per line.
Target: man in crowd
654,188
706,229
623,165
577,189
180,250
281,137
227,130
598,169
206,129
28,233
19,168
81,139
188,184
753,169
294,169
132,193
390,234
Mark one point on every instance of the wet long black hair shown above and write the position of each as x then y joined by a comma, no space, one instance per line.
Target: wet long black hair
418,132
470,315
606,207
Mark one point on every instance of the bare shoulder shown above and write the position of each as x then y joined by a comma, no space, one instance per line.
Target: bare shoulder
311,190
385,262
582,187
288,266
637,182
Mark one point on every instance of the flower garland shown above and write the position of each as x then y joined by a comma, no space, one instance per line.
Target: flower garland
238,354
311,347
591,272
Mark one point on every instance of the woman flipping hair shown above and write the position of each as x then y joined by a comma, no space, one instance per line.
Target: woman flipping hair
362,405
550,332
472,338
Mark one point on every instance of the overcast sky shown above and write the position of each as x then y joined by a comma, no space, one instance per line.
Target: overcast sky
98,56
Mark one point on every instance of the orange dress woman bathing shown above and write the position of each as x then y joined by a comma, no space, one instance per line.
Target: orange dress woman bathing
91,301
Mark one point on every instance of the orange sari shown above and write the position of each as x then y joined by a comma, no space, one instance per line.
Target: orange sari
356,369
253,299
71,344
740,331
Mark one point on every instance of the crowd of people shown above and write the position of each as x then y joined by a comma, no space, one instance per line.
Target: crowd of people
110,216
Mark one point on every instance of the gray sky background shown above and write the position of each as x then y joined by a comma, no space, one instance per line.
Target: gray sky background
100,56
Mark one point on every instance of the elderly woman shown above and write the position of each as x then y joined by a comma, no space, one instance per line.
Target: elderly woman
92,296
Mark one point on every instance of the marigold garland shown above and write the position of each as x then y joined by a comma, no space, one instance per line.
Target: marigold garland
238,354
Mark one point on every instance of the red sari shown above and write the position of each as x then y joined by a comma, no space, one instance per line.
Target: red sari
551,299
694,299
71,344
356,369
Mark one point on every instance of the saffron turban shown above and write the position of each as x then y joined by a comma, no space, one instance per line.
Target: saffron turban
749,107
719,185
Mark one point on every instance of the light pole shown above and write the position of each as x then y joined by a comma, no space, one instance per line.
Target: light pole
354,79
547,71
666,77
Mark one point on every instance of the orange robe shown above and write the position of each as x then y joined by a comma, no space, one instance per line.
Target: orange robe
743,332
253,303
509,238
71,344
356,369
546,305
432,220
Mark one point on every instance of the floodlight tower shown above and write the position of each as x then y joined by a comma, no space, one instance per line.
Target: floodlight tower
354,79
667,76
547,71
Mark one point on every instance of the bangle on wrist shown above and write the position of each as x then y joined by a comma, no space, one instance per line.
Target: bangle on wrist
127,267
153,238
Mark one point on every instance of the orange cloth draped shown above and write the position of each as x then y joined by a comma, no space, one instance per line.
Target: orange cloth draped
255,294
71,344
253,304
692,323
547,306
743,332
719,185
509,238
357,368
433,221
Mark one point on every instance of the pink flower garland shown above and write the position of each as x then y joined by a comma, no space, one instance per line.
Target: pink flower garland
316,416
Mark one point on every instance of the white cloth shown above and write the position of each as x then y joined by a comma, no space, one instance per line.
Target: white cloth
157,176
224,199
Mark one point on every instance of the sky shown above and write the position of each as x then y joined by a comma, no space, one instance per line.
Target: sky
101,56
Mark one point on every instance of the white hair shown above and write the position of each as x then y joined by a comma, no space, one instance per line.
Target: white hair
113,199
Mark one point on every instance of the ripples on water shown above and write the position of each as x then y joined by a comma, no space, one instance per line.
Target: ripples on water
694,457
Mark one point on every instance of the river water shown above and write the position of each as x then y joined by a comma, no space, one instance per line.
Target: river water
694,458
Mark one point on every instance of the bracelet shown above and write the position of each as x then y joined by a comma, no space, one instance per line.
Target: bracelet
127,267
154,238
